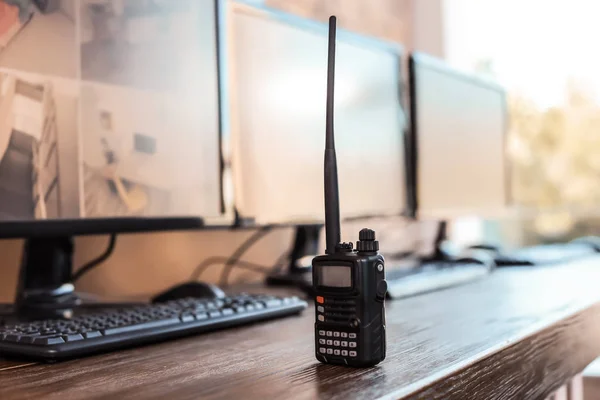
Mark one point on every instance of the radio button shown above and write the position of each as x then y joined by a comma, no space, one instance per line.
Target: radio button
330,343
323,350
322,319
336,352
352,354
321,333
329,333
351,335
322,341
320,309
345,353
336,343
329,351
344,334
352,344
336,334
344,343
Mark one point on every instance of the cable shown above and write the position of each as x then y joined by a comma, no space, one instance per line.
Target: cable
87,267
229,264
254,267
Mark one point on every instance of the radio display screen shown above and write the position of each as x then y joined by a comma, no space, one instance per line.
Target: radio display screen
335,276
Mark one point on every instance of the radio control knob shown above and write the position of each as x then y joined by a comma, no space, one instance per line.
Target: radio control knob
366,234
354,322
367,242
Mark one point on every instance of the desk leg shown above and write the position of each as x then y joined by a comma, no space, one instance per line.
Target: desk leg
573,390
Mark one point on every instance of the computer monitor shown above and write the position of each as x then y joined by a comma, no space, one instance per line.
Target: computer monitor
459,125
276,66
118,133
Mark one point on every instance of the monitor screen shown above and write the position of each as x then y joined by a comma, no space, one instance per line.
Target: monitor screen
109,109
278,69
459,124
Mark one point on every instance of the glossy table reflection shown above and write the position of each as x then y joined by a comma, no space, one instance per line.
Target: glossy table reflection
521,333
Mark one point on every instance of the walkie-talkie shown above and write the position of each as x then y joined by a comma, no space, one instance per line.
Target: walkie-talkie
349,283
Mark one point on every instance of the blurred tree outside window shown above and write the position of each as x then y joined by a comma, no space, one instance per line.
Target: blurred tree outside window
543,53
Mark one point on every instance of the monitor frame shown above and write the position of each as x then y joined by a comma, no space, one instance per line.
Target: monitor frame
107,225
421,60
260,10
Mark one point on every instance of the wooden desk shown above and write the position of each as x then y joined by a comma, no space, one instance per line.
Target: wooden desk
518,334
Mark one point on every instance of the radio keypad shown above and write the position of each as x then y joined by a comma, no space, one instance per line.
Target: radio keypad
343,348
333,342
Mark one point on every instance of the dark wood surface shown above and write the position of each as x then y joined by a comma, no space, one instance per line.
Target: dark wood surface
521,333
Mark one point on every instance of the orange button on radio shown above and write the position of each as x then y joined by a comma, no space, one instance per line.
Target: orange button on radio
320,299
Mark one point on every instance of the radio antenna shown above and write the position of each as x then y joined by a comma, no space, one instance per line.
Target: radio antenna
332,199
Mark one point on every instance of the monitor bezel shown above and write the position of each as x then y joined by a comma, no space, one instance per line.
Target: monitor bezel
107,225
259,9
422,60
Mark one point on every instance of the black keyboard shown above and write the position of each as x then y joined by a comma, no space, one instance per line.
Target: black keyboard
432,276
110,329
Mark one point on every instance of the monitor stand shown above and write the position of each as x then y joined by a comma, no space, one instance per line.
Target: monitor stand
299,274
44,288
441,235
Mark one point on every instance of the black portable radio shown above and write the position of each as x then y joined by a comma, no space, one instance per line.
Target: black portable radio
350,291
349,283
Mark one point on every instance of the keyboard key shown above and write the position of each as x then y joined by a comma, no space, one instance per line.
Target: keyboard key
72,337
46,341
138,327
227,311
214,314
187,318
201,315
273,303
92,334
12,338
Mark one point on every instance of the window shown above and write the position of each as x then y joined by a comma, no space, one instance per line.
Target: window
544,53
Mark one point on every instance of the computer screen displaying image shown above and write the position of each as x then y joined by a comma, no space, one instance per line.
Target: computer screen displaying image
277,68
123,123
